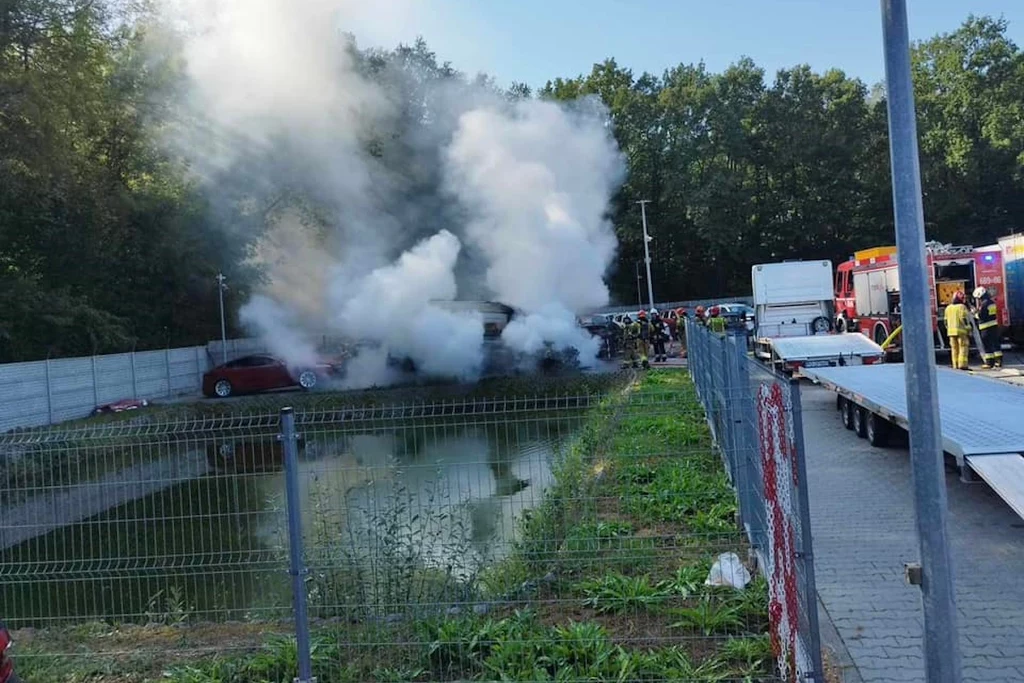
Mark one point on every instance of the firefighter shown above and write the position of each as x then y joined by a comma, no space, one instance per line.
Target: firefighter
643,337
659,333
988,325
699,315
628,342
681,331
958,329
716,323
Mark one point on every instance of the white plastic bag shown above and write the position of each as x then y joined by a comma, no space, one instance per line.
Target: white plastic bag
728,570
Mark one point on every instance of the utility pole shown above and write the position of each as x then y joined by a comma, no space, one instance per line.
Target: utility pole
223,328
941,643
647,252
639,298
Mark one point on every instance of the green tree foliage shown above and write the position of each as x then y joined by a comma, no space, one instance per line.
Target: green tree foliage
741,170
106,241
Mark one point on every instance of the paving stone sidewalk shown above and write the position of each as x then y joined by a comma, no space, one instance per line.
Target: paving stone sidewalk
862,517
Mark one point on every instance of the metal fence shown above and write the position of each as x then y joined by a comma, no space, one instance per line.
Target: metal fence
754,414
588,537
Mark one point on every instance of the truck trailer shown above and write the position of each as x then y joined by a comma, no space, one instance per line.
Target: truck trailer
980,418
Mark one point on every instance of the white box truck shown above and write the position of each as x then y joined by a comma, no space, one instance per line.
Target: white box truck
794,307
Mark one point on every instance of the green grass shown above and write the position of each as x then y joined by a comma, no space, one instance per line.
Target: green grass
625,536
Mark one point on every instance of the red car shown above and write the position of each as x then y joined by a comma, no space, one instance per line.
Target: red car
252,374
7,674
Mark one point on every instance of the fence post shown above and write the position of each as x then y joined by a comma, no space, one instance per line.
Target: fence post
95,382
296,567
135,384
49,394
199,369
805,554
167,363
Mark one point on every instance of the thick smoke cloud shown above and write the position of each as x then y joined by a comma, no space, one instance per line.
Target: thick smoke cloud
395,306
513,194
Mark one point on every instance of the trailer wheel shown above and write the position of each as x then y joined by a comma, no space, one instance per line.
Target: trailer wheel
877,428
860,419
848,411
840,402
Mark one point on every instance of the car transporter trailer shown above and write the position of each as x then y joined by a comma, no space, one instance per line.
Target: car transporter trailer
982,418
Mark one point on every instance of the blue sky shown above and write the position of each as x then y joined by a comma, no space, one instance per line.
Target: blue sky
534,40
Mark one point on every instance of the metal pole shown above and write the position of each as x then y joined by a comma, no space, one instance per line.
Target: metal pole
806,552
941,647
49,393
223,328
647,251
296,568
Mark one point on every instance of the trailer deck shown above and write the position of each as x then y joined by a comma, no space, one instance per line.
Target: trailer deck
826,349
982,419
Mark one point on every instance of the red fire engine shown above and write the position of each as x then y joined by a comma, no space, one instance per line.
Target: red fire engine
868,287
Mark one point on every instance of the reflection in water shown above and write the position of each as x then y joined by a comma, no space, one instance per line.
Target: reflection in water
389,516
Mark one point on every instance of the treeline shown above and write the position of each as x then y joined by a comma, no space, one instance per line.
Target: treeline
107,242
742,170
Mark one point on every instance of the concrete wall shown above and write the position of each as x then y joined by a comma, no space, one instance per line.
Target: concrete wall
47,392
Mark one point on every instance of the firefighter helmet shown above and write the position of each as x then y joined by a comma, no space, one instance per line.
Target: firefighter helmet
715,311
700,310
958,297
980,292
642,315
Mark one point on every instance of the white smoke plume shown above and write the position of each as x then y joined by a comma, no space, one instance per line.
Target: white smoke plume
284,104
277,327
537,181
395,305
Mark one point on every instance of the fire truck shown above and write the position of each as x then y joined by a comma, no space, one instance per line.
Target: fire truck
868,287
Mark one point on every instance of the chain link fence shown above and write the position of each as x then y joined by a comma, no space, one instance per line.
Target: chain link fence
754,415
566,538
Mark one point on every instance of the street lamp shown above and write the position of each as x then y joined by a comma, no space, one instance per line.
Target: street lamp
647,252
223,329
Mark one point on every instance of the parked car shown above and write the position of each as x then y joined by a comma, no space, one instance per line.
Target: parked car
7,674
256,373
738,313
603,326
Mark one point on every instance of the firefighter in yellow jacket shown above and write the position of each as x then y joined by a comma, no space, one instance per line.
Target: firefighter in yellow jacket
959,331
988,326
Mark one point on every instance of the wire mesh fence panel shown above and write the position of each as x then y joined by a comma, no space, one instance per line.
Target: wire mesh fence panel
572,538
755,416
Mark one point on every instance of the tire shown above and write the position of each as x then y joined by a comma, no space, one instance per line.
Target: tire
848,410
223,388
860,419
880,333
841,325
820,325
877,428
840,402
307,379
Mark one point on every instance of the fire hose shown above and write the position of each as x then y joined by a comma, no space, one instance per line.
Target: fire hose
891,337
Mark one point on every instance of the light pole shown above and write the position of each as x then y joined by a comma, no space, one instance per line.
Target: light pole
223,329
647,252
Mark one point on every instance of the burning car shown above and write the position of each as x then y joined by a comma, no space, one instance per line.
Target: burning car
603,326
256,373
